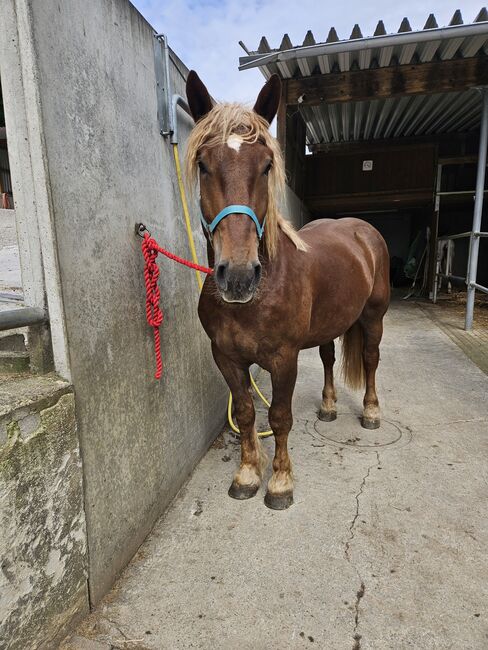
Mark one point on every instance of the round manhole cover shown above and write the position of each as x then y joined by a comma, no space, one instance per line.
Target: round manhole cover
347,431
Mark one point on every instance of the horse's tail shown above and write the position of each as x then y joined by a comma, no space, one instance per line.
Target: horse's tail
352,357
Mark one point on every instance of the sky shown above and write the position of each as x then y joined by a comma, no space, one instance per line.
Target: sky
205,34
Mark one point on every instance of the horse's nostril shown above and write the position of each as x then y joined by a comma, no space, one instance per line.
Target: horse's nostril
221,275
257,272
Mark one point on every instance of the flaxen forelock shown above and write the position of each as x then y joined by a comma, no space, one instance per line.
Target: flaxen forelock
213,130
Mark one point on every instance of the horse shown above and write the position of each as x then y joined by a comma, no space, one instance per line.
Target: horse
275,291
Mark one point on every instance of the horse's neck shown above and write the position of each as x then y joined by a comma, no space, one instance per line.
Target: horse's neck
274,265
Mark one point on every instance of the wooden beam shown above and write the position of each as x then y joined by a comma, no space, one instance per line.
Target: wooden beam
395,81
459,160
451,144
322,206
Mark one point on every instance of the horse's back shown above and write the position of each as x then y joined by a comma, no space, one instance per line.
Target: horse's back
347,234
345,229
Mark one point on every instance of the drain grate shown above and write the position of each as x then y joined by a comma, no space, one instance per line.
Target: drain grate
347,431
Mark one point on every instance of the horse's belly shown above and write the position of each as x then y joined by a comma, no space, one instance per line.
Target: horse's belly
327,330
333,312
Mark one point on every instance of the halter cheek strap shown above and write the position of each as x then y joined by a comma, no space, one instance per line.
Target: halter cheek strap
233,209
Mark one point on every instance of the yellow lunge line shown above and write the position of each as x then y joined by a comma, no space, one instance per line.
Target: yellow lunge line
186,213
261,434
191,242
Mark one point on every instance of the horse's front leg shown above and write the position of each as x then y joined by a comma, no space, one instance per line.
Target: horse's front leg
253,459
283,377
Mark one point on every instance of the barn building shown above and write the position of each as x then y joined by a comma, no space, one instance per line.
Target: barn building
387,128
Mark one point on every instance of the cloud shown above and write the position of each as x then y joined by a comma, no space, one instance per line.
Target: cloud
205,33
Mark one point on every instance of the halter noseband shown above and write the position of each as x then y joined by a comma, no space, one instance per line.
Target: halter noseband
233,209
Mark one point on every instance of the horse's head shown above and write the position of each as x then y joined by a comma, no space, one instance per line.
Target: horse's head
239,165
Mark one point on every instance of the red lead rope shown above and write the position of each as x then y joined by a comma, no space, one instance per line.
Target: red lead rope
154,314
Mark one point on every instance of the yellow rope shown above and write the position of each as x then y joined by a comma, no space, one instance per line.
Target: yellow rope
184,203
191,242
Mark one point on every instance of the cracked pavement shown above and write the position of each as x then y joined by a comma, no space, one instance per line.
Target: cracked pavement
384,548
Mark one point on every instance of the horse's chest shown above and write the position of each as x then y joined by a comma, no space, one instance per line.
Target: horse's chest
246,342
232,340
244,337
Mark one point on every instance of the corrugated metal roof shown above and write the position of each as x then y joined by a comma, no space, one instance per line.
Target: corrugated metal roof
375,119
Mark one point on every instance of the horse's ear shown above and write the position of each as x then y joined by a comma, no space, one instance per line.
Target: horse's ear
269,98
199,100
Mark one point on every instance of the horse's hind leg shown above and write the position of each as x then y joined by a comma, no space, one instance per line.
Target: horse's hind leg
372,327
328,411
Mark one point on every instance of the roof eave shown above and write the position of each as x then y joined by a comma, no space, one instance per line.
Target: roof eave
388,40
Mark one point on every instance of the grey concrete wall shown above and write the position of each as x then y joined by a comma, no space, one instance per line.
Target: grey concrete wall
108,168
43,580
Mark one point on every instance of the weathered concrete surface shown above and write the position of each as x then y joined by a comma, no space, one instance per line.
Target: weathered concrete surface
43,581
384,548
8,234
10,280
109,168
9,268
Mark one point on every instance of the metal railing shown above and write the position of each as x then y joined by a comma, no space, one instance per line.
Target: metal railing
450,276
475,234
11,319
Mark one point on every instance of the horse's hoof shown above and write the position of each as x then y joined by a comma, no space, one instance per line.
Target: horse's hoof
278,501
368,423
242,492
327,416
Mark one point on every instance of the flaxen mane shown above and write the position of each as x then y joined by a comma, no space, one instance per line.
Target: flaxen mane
214,129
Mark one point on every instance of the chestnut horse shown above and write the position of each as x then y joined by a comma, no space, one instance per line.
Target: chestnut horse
274,291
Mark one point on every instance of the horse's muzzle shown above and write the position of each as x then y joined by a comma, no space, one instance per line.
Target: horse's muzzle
237,283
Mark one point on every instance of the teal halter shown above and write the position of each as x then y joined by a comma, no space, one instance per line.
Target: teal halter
233,209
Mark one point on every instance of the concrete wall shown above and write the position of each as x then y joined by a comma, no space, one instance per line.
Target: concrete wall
88,162
43,581
108,167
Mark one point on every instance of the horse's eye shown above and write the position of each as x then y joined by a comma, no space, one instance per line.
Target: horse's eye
202,168
268,169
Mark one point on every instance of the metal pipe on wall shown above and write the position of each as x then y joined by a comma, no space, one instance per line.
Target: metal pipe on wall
22,317
172,101
177,100
474,241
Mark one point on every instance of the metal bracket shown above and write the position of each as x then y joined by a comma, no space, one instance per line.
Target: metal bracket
163,91
167,102
140,229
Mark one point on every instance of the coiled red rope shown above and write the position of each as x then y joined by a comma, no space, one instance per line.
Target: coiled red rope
154,313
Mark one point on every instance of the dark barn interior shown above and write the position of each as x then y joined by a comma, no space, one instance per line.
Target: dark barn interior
387,128
6,198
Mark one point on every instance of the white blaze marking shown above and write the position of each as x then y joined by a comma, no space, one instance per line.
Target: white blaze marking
234,141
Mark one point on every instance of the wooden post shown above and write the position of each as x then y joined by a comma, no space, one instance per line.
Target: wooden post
291,134
281,120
